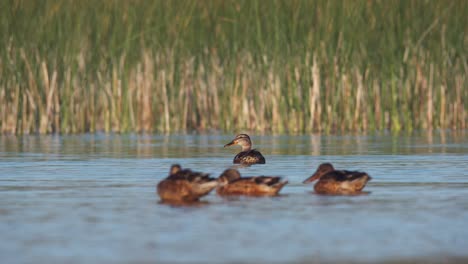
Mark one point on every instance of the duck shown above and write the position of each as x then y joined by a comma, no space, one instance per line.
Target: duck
231,183
248,155
338,182
185,185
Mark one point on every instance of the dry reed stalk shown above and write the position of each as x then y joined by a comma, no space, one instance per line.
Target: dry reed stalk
167,125
44,114
421,87
314,96
4,109
263,108
173,107
120,115
365,119
103,102
274,104
459,111
233,104
359,99
146,78
130,99
408,114
422,102
51,102
452,110
442,107
411,100
299,95
387,121
80,105
346,106
49,87
32,108
79,108
113,93
252,116
429,99
182,99
330,123
201,100
244,114
9,109
416,95
64,97
92,109
215,74
34,95
56,112
213,88
275,92
138,97
187,83
24,120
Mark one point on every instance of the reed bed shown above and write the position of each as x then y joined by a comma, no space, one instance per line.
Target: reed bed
263,66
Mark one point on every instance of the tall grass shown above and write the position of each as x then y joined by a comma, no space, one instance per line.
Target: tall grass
279,66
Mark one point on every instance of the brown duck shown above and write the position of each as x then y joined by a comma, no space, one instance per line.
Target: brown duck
231,183
331,181
247,155
184,185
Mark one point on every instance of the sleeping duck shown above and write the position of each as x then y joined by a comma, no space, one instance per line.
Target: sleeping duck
231,183
184,185
338,182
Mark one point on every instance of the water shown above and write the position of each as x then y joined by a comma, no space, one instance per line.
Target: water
91,199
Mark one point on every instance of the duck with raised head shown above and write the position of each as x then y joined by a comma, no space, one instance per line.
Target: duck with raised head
185,185
338,182
247,155
231,183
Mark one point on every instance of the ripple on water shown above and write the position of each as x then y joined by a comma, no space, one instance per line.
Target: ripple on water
92,199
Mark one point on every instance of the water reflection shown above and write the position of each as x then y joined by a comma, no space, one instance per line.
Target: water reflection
183,204
147,146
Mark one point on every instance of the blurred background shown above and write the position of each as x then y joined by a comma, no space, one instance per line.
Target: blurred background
264,66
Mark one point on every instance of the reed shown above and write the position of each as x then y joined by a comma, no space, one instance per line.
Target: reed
264,66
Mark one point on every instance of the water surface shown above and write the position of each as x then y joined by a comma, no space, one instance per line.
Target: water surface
91,199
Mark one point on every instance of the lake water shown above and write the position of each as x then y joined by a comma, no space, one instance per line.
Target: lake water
91,199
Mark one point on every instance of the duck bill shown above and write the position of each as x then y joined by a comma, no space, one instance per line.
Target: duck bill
312,178
230,144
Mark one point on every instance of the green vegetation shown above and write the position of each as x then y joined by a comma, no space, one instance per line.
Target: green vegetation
281,66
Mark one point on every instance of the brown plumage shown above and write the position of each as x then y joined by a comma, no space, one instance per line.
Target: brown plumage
184,185
247,155
231,183
331,181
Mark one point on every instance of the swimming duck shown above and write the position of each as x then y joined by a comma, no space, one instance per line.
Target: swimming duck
247,155
184,185
333,181
231,183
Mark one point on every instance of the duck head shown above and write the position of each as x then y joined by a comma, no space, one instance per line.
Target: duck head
242,140
175,168
228,176
322,169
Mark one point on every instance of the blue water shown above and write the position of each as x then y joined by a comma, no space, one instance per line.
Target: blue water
91,199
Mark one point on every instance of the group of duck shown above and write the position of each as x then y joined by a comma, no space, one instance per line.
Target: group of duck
185,185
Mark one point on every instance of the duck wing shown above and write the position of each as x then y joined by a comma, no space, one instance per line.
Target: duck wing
199,177
249,157
343,175
267,180
191,176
